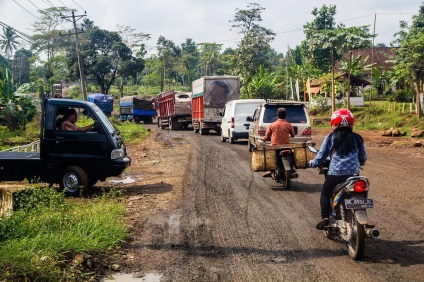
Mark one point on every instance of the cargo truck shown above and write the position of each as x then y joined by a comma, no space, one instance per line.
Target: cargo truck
138,108
209,96
72,159
174,109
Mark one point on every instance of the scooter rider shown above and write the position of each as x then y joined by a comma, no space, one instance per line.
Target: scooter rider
346,151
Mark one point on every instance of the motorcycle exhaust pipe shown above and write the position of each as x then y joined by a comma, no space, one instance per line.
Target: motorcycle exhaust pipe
372,233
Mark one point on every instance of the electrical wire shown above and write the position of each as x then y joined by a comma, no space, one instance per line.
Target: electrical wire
79,5
26,10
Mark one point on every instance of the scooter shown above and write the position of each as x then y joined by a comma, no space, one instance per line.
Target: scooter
349,220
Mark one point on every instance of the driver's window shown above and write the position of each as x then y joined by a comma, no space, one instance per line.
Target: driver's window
75,119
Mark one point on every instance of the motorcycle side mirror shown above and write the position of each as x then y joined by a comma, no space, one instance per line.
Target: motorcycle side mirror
312,149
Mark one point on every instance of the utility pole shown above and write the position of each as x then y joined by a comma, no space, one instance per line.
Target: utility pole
81,70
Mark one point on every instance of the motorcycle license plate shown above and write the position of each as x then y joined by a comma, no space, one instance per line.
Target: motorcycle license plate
359,203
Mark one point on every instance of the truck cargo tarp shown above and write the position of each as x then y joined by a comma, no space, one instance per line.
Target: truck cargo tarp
144,102
103,101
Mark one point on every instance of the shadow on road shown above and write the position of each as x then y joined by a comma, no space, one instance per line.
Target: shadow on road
404,253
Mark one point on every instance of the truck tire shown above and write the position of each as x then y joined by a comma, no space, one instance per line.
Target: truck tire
73,178
173,123
203,131
232,140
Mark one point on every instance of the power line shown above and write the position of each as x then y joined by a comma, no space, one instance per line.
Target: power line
22,35
64,4
79,5
34,5
25,9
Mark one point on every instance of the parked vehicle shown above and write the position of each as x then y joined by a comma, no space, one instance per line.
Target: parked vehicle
234,125
349,220
209,96
103,101
174,109
57,90
138,108
73,159
266,113
282,161
126,108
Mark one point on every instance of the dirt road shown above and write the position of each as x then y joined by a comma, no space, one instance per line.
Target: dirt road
197,212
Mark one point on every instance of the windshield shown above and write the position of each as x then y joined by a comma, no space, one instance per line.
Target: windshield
104,119
295,113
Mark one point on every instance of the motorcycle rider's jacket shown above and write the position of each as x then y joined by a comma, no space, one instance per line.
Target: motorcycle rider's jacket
341,164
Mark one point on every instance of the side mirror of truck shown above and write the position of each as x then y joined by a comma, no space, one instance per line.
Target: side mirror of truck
249,119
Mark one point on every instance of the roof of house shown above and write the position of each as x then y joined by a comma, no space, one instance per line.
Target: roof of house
383,57
341,77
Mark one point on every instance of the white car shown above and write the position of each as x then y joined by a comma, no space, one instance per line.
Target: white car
234,125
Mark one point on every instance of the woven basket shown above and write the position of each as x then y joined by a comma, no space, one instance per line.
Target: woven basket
264,159
302,156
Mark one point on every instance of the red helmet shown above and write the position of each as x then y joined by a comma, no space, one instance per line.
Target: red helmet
342,117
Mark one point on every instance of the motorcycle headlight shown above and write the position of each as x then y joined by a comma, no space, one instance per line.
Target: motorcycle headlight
117,154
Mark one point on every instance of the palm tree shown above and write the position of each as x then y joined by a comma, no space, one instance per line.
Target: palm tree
8,41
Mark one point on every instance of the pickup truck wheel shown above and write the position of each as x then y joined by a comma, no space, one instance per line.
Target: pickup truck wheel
73,178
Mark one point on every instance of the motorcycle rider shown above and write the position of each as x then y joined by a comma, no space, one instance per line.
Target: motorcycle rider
346,151
279,132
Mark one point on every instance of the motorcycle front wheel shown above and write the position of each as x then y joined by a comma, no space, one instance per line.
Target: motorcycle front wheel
356,244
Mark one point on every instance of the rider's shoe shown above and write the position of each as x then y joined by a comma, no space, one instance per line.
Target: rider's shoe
267,174
324,222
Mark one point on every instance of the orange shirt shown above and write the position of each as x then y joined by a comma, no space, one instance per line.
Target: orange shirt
279,131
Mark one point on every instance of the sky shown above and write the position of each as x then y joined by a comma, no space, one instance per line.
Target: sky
209,20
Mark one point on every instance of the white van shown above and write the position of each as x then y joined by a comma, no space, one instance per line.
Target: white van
234,125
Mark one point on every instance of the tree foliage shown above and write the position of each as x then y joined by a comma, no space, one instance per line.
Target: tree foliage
105,57
8,41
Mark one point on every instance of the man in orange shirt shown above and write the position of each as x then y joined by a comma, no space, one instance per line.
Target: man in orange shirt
279,132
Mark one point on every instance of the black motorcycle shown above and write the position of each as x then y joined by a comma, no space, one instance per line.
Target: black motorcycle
349,220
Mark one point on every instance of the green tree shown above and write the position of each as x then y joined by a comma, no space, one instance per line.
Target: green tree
105,58
19,110
247,21
168,55
190,59
8,41
411,54
209,59
254,50
46,39
316,54
21,67
261,85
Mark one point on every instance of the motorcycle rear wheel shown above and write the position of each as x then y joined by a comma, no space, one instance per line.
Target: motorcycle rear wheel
356,245
287,174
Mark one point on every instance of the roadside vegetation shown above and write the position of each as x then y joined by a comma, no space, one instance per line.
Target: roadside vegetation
51,238
375,117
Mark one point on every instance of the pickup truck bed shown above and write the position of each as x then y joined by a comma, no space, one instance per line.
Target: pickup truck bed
16,166
19,155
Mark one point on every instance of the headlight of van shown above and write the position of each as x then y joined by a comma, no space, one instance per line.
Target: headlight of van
117,154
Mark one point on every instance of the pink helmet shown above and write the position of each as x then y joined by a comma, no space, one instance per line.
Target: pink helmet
342,117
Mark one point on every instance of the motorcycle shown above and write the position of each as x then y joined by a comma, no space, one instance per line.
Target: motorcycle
288,161
349,220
